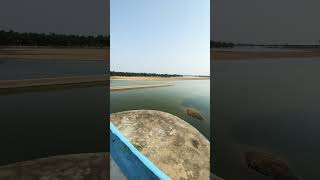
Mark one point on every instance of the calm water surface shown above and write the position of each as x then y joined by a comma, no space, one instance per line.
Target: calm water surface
267,105
41,124
174,99
28,69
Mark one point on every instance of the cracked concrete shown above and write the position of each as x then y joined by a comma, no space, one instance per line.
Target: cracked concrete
173,145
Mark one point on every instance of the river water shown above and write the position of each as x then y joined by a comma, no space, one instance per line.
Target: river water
270,106
193,94
52,122
11,69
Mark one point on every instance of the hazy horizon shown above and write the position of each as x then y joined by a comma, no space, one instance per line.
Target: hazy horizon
81,17
166,37
247,21
265,22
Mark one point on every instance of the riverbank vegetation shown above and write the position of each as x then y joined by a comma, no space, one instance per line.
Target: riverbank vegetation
12,38
220,44
114,73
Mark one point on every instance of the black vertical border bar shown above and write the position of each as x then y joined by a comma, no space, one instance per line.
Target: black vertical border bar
107,115
108,74
211,94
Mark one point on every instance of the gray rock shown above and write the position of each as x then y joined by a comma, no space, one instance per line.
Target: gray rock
269,165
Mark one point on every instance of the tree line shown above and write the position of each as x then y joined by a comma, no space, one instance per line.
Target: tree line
11,38
220,44
114,73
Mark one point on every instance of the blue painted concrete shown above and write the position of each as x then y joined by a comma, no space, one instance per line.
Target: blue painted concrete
132,163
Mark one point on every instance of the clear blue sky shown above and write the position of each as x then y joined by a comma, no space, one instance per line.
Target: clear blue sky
160,36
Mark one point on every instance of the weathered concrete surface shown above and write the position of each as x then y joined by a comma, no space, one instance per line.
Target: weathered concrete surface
89,166
173,145
269,165
123,88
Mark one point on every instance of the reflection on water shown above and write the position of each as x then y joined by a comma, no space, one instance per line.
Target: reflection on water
28,69
41,124
51,122
257,49
174,99
266,105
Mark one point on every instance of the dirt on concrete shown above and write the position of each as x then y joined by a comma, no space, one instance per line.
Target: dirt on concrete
173,145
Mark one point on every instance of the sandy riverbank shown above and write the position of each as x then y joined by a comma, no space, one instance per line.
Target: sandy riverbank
42,84
123,88
238,55
140,78
47,53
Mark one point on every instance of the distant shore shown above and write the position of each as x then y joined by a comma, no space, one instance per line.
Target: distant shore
54,53
42,84
133,87
155,78
245,55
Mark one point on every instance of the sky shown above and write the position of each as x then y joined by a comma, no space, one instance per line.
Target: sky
249,21
266,21
160,36
87,17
